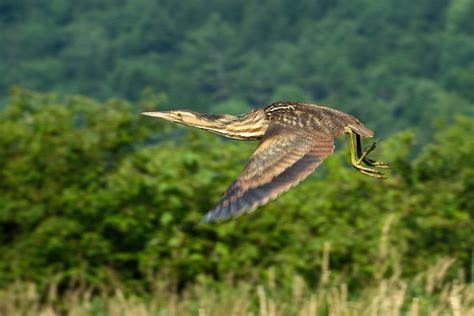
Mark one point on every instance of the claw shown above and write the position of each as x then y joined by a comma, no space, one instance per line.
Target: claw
369,170
374,175
366,151
376,164
362,157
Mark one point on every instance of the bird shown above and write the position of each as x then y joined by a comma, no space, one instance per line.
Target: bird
295,138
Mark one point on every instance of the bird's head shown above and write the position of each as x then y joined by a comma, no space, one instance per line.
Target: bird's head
251,125
185,117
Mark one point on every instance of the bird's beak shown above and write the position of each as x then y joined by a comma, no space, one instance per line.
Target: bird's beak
163,115
166,115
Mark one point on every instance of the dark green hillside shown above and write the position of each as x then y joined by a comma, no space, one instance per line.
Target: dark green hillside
396,64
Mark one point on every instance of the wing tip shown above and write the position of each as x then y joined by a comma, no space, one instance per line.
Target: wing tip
206,219
216,214
211,217
221,213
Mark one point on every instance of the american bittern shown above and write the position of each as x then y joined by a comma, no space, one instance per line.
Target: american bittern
295,138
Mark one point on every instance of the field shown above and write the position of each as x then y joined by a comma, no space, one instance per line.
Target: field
100,206
429,293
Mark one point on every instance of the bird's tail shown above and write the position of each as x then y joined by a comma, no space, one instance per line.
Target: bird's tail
362,130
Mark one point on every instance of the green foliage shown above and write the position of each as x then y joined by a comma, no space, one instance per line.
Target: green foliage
93,191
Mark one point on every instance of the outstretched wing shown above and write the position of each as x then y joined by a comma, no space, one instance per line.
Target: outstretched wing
284,157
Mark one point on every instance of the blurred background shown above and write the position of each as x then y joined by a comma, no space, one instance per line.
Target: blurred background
99,206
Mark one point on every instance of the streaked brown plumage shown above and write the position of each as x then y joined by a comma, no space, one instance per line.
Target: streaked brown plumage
295,139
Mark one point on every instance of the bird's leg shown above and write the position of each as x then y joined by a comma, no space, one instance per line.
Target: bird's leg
363,154
356,163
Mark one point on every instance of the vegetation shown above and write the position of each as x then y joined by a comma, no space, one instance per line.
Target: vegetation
394,64
435,295
92,194
99,206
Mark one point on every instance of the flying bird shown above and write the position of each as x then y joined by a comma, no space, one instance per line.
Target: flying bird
294,139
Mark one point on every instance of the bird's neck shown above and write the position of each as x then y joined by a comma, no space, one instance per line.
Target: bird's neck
248,126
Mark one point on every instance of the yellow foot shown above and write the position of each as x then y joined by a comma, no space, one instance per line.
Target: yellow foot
369,162
362,157
368,171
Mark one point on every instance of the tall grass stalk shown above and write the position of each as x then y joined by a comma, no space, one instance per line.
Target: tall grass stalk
430,293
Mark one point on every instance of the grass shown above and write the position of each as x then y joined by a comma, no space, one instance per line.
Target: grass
438,290
430,293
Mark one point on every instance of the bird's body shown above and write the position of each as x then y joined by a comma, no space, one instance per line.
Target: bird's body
314,118
295,138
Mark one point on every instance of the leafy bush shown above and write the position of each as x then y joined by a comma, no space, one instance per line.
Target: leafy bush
96,192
